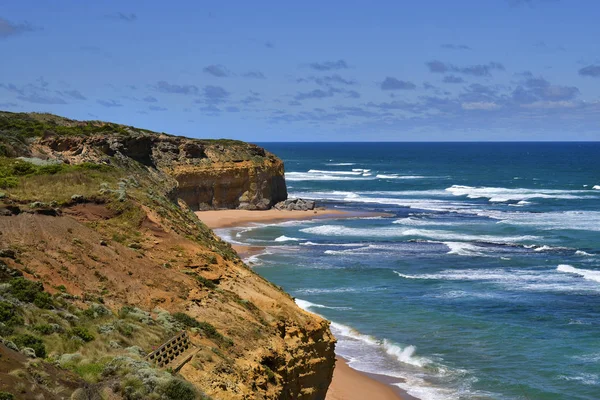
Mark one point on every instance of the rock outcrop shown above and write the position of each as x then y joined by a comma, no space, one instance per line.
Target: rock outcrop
209,174
295,205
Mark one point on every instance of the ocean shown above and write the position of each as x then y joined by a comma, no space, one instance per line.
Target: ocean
484,281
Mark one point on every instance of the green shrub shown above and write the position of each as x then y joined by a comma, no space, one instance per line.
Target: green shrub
31,292
44,329
8,182
177,389
209,330
6,396
9,314
83,333
35,343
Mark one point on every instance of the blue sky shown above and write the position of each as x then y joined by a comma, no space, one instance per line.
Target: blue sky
312,70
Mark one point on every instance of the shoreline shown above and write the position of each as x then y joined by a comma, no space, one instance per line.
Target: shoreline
347,383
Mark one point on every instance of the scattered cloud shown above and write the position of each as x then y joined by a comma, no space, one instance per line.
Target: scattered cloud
42,99
439,67
316,94
539,89
590,70
8,29
109,103
75,94
544,47
150,99
217,70
254,75
211,110
165,87
215,94
119,16
157,108
480,105
232,109
9,105
391,83
329,65
451,46
453,79
328,80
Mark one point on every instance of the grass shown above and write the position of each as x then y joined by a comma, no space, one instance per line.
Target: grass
57,182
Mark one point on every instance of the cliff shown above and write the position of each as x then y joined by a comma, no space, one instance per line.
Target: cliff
210,174
101,216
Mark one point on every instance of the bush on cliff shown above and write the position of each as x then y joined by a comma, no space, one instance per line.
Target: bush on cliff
31,292
26,340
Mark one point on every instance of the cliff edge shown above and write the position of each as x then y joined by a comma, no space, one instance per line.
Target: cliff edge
102,260
210,174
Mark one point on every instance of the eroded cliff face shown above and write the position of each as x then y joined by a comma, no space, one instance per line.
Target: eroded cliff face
125,238
210,174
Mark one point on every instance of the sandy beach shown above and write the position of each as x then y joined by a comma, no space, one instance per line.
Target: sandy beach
347,383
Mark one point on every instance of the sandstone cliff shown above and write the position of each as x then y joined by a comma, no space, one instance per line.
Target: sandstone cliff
104,220
210,174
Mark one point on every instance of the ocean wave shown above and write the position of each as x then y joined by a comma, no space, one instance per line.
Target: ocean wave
305,305
319,171
586,379
583,253
501,195
511,278
309,243
596,187
340,164
255,259
304,176
573,220
339,230
464,249
396,176
585,273
284,238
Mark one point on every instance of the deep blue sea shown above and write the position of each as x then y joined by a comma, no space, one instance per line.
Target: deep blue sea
484,283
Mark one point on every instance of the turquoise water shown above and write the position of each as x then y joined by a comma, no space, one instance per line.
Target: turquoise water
485,282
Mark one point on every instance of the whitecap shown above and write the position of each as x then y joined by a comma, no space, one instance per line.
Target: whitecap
585,273
501,195
284,238
464,249
596,187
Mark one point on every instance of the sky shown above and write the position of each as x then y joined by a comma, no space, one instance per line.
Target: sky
427,70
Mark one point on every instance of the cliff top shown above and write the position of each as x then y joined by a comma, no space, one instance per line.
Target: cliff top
19,130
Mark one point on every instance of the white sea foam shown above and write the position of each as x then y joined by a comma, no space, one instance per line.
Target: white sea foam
323,176
500,195
339,230
583,253
341,164
575,220
319,171
596,187
396,176
464,249
255,259
585,273
305,305
284,238
586,379
369,354
511,278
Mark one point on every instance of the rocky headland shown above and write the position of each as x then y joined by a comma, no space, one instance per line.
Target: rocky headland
102,260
